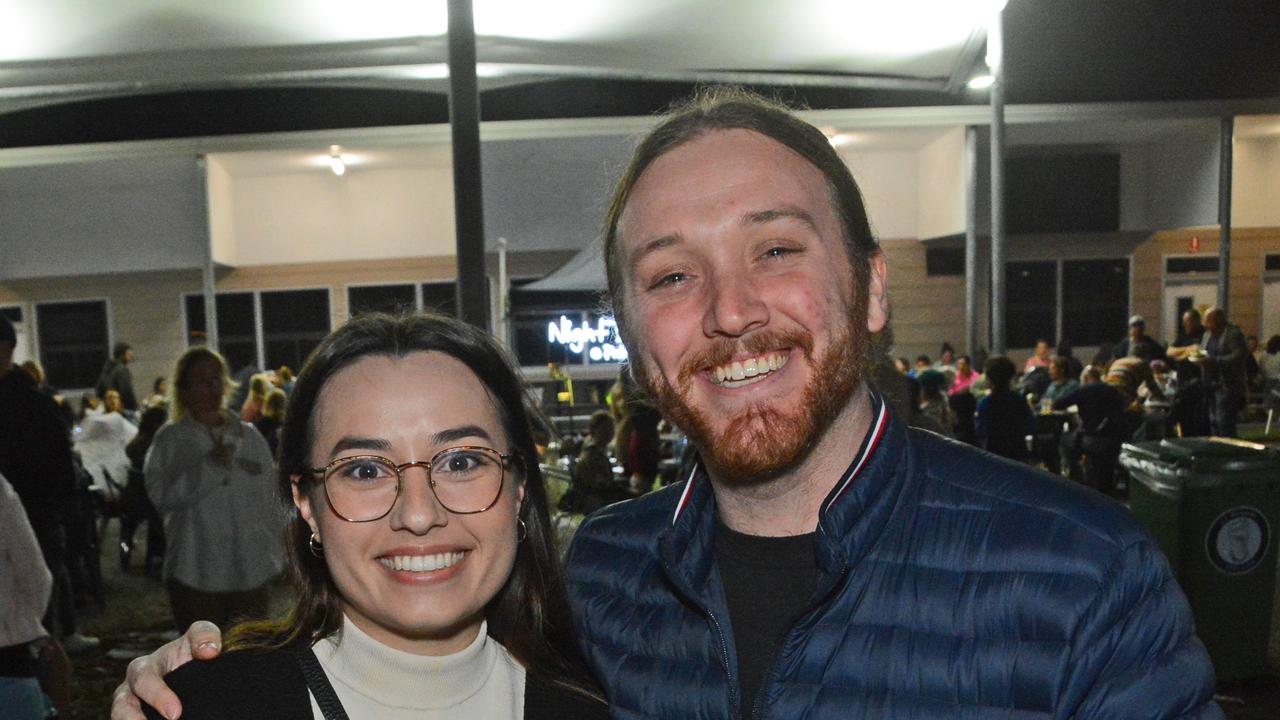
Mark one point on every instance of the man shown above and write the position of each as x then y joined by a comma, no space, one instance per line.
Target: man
1040,358
1101,409
1138,343
117,376
35,456
1224,371
1190,333
1190,406
823,560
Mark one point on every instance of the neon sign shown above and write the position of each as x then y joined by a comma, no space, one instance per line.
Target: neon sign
600,342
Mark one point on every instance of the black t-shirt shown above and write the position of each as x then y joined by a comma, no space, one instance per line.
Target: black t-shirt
768,582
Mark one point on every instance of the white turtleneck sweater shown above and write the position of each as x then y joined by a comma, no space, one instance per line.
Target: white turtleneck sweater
375,681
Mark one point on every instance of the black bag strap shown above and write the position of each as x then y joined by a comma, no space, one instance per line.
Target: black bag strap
320,686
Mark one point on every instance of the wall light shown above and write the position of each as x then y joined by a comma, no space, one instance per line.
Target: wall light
336,163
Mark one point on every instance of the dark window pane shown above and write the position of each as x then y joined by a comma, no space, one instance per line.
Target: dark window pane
73,342
1273,262
1095,298
14,314
237,337
440,298
944,261
293,323
393,299
1203,264
1031,296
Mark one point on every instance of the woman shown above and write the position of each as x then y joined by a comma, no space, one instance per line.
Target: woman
209,476
419,540
159,396
259,387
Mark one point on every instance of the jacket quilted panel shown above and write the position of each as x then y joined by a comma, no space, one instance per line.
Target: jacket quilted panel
952,584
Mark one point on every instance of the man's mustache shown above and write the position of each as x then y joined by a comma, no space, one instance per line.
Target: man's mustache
722,350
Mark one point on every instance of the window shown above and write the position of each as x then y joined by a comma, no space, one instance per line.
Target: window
440,297
1095,300
1272,262
14,314
1031,302
393,299
237,328
293,324
944,261
1201,264
74,342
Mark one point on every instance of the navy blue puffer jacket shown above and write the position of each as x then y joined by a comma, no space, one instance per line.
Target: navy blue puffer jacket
952,585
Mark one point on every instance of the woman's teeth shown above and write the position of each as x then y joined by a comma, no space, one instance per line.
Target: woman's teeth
421,563
751,369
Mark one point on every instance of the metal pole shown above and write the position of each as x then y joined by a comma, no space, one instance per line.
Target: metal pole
504,295
208,280
971,240
995,60
1227,131
468,206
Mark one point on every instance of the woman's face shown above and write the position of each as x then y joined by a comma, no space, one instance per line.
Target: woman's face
962,366
202,389
112,403
405,409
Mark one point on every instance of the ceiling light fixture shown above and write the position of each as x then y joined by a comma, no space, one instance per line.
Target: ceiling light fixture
982,82
336,163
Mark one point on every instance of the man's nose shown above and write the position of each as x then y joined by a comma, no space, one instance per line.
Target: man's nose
734,306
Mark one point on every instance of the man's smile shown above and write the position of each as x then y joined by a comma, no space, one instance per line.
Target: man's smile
748,371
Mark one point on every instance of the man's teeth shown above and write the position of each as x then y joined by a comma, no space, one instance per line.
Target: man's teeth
749,368
421,563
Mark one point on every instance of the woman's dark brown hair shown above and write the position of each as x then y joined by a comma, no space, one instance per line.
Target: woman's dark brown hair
530,614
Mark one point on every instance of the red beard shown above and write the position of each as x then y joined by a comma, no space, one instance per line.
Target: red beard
762,441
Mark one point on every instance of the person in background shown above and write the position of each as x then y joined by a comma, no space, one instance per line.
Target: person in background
90,404
159,396
1049,429
32,368
1224,371
1269,361
100,441
902,365
284,379
117,376
1003,419
272,418
209,476
933,400
1061,381
1138,344
946,363
36,457
965,375
1252,369
593,471
1074,366
1040,357
644,451
137,507
1190,333
1101,409
26,586
922,363
259,387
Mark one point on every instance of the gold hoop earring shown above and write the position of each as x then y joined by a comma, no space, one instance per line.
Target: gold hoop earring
523,533
314,544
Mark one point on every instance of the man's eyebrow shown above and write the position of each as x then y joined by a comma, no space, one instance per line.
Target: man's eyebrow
653,246
760,217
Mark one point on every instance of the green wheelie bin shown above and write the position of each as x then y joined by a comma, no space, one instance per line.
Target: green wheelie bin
1213,506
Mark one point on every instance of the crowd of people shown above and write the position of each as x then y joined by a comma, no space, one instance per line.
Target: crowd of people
1071,417
821,557
68,470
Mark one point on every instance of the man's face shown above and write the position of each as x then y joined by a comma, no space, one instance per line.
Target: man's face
1190,323
747,325
1135,332
127,357
1042,350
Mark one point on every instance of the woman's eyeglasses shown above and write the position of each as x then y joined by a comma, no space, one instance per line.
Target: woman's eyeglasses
465,480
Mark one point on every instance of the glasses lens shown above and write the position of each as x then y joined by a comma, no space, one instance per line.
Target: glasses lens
361,488
467,479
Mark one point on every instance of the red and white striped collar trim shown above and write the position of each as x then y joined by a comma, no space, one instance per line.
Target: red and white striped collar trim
868,446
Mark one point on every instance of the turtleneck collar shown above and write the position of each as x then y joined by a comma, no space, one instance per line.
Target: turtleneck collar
396,679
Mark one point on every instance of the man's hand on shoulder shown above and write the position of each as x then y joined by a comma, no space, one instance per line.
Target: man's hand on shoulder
144,681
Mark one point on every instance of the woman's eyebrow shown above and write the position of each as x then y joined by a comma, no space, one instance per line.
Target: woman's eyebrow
350,442
462,431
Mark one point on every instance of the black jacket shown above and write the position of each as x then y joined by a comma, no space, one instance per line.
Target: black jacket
271,685
35,450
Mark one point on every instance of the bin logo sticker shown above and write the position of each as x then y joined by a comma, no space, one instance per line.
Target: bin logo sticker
1237,540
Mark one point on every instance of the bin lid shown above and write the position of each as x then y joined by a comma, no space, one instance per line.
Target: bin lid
1203,456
